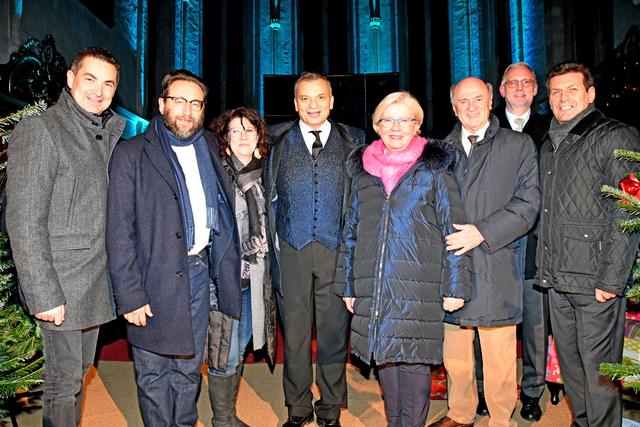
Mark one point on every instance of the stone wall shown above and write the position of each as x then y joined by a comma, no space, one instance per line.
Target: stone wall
73,27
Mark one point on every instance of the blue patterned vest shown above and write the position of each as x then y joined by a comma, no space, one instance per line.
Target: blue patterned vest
310,193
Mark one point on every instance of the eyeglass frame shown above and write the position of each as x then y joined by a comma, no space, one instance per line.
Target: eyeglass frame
199,106
513,83
251,132
403,123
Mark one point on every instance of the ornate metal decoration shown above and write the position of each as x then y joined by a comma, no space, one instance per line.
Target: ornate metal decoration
36,71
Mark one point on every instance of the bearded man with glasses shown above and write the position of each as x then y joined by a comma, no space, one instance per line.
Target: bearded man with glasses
173,247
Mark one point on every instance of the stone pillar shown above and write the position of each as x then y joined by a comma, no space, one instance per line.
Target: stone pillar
527,35
472,39
375,36
188,35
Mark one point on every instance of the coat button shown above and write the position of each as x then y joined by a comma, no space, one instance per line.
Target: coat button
548,172
178,235
179,274
544,281
175,196
99,137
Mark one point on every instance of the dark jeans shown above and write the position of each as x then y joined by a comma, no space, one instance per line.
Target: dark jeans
308,298
168,385
67,356
587,333
241,334
406,389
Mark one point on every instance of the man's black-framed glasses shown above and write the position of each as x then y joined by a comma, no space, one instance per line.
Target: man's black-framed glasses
196,104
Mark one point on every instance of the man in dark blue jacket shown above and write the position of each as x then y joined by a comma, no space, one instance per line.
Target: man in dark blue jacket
173,248
308,187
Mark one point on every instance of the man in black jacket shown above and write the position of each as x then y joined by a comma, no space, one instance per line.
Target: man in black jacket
307,188
583,257
518,88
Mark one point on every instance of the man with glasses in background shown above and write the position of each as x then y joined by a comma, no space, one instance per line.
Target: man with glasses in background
518,88
173,248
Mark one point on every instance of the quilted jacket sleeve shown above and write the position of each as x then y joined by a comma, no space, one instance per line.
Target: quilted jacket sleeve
456,270
619,248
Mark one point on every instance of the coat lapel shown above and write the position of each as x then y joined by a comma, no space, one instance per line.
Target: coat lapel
159,160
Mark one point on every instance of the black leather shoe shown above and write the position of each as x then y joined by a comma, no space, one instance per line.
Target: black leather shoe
328,422
482,409
294,421
554,390
531,410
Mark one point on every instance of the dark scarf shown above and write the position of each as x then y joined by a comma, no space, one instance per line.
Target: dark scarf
558,131
247,179
207,176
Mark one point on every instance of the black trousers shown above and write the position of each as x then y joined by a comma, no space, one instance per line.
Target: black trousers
587,333
309,298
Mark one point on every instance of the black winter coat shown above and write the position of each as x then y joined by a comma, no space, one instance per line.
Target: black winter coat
501,196
580,246
393,259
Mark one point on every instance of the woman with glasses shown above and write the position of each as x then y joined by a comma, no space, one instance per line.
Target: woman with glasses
394,273
243,147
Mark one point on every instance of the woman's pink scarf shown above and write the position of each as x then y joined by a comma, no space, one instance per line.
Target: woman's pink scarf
391,165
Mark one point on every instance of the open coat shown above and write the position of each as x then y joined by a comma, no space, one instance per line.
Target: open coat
393,258
147,249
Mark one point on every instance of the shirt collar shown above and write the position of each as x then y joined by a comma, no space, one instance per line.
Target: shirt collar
511,117
324,129
480,132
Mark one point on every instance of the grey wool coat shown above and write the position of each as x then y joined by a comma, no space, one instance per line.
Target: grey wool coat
501,196
56,211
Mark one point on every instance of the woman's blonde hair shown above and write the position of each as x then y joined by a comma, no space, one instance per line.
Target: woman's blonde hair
401,97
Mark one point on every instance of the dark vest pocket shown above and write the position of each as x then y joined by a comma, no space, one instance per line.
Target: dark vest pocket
580,249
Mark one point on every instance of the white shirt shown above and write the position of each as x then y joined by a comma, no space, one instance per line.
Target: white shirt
189,164
310,138
466,144
512,118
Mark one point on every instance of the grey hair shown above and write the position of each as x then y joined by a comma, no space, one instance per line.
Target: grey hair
517,64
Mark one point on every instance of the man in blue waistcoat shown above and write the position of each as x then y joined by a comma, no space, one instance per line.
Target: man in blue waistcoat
308,187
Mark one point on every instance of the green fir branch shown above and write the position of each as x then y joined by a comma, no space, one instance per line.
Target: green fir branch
7,123
629,374
633,156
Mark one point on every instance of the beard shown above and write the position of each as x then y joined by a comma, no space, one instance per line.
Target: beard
171,121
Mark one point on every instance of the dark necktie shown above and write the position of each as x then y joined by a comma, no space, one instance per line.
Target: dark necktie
316,148
472,139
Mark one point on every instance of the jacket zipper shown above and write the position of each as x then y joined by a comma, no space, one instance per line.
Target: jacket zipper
383,247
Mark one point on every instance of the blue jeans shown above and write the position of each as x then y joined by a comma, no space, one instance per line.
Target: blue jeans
67,356
241,334
168,386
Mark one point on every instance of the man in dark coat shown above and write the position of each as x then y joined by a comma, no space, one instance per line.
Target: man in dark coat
307,190
583,257
173,248
498,174
518,88
57,210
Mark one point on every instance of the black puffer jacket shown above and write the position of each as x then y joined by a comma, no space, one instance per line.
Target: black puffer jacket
580,246
393,259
